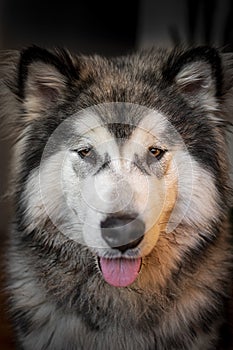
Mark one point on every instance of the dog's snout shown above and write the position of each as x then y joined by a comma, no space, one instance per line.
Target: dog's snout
122,232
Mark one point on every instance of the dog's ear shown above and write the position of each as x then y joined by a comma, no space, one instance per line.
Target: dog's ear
43,78
197,74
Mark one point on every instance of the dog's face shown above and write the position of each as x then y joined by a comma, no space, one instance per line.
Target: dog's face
109,175
114,158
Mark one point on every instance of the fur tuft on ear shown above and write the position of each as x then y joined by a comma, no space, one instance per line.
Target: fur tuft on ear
43,77
197,73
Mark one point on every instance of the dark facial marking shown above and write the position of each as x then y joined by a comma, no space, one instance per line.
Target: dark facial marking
140,165
105,164
121,130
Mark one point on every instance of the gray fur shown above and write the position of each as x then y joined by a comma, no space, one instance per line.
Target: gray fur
59,298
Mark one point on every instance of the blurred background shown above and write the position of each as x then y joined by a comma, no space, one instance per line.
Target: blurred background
107,28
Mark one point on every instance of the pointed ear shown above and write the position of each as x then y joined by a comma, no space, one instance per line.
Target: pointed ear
197,74
43,78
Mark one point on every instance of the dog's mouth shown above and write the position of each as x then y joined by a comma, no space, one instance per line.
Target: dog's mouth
120,272
123,234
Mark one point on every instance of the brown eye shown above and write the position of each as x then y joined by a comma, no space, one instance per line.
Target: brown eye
156,152
85,152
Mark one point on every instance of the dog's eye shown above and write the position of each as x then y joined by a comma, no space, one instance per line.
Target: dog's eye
156,152
85,152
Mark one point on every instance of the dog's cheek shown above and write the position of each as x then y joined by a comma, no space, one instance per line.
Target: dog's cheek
163,195
171,194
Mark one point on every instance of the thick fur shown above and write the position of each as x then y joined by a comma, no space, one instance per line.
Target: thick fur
59,298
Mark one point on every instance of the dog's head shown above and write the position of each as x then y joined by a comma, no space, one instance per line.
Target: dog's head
119,153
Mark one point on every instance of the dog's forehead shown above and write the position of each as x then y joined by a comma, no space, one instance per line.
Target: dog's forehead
127,126
121,130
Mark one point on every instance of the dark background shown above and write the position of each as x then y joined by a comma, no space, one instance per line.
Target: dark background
111,28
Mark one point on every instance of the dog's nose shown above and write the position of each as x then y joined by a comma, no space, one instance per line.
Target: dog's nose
122,232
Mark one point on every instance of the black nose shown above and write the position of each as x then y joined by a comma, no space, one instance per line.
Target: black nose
122,232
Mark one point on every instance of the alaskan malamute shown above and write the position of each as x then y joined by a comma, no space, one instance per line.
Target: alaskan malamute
120,183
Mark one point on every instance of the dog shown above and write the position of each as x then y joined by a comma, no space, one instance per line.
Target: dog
120,236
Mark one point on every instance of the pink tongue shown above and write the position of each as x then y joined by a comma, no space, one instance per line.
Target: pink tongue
120,272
